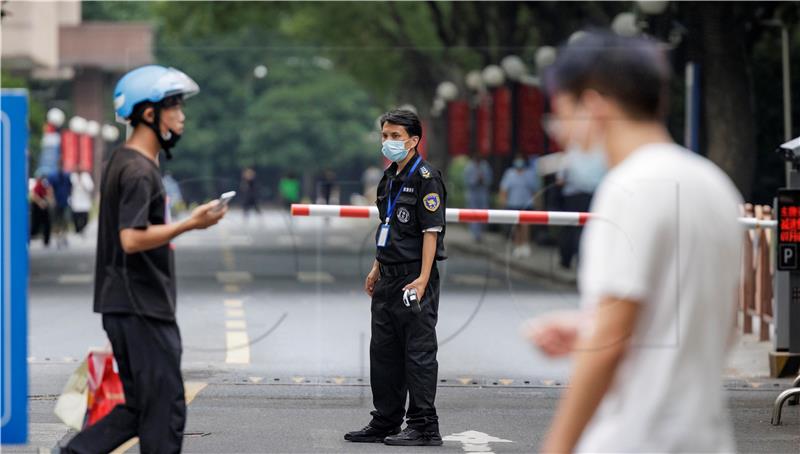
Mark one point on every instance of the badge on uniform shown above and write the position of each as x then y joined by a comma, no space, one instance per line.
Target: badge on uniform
383,235
425,172
403,215
431,201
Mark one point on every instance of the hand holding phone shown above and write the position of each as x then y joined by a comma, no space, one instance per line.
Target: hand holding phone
224,199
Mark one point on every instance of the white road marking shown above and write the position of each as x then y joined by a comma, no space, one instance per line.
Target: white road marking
233,304
314,277
235,324
238,345
474,441
234,313
75,279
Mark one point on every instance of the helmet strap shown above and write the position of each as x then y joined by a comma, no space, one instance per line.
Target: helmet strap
167,143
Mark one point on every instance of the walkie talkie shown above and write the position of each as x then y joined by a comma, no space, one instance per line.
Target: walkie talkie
410,300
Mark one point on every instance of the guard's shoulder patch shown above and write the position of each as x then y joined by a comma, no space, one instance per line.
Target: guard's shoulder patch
425,172
431,201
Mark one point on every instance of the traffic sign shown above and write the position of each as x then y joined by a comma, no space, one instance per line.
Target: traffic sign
14,265
788,229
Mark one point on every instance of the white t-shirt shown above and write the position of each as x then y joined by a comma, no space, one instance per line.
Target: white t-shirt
80,200
665,233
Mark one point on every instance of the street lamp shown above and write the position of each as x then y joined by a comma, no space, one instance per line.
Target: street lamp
56,117
493,76
260,72
625,25
92,128
77,124
545,56
576,36
447,91
474,80
652,7
109,133
514,67
408,107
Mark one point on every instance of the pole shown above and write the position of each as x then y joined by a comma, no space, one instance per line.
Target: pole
787,93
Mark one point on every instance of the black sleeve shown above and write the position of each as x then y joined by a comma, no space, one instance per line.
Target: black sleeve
431,202
135,196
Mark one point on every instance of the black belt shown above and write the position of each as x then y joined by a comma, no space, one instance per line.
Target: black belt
400,269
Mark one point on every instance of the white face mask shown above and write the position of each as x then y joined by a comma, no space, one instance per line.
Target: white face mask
590,163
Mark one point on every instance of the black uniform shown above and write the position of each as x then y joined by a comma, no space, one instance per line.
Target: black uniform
135,293
404,346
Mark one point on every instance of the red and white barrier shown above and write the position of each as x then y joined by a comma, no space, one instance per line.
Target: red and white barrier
462,215
452,215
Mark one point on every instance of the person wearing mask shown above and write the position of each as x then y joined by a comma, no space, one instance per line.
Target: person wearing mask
477,180
659,267
516,193
135,271
80,201
410,240
579,176
62,188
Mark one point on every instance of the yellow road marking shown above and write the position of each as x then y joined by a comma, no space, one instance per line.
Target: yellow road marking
238,347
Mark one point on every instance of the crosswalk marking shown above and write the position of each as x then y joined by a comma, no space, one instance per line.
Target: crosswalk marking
314,277
75,278
234,313
235,324
233,304
238,347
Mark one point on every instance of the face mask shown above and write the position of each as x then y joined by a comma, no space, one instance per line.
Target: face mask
394,150
519,164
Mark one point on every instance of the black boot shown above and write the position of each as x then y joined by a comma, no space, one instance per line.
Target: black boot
413,437
370,434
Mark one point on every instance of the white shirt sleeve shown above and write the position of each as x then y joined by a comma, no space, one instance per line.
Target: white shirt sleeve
628,239
437,229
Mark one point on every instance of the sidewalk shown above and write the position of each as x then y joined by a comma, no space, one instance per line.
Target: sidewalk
542,263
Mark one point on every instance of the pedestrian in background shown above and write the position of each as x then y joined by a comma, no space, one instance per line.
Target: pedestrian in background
579,176
477,180
61,183
41,204
249,191
659,265
80,201
289,189
516,193
135,287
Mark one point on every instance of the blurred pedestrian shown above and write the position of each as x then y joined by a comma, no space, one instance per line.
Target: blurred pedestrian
578,178
659,265
135,275
516,193
477,180
249,191
289,189
174,194
412,202
327,184
80,201
41,204
61,183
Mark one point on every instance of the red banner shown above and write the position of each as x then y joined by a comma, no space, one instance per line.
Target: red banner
502,121
69,151
530,134
422,148
483,120
458,128
86,153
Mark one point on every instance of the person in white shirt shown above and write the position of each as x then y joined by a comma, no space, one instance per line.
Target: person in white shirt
80,199
658,271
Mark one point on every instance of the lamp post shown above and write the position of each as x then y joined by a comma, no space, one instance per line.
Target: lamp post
516,70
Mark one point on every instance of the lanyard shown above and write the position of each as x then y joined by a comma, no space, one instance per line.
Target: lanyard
393,202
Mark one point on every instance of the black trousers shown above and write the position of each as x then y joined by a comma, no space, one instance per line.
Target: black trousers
40,220
80,219
148,353
403,355
570,238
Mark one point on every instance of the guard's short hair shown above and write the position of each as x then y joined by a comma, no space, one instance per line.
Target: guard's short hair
633,71
405,118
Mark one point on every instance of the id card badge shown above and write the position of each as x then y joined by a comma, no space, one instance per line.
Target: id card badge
383,235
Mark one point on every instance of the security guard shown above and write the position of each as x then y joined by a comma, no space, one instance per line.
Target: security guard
411,202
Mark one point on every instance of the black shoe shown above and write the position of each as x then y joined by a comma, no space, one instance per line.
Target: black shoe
370,434
412,437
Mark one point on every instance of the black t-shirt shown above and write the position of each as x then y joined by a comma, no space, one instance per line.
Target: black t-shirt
419,207
132,196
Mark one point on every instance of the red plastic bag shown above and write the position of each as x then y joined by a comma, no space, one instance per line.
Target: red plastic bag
105,387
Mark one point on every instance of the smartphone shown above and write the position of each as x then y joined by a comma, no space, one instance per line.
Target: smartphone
224,199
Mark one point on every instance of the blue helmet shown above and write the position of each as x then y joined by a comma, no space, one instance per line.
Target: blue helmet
151,83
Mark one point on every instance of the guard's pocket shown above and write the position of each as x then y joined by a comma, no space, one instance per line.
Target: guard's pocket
405,212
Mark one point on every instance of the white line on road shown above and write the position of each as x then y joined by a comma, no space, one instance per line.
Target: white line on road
234,277
238,344
234,313
233,304
75,278
474,441
315,277
235,325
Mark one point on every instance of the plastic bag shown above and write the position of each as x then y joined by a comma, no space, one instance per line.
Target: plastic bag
104,385
71,404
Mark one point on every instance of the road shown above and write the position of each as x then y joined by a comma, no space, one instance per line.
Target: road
275,327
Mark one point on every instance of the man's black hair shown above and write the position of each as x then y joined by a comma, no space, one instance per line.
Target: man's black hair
405,118
138,110
633,71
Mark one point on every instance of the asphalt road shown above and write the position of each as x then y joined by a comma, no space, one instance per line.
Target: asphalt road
276,333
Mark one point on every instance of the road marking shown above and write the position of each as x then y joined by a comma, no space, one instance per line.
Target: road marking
75,279
255,380
234,313
465,380
233,304
191,390
298,380
234,277
506,381
474,441
238,347
230,288
339,380
314,277
235,324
